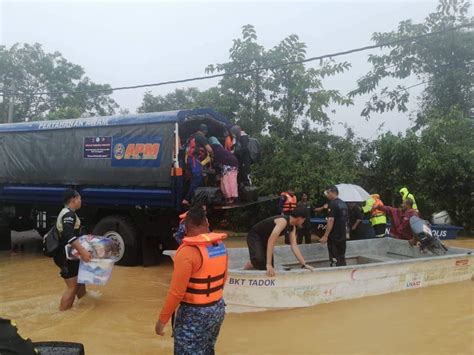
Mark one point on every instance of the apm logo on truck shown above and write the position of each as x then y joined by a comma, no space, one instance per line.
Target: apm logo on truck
146,151
136,152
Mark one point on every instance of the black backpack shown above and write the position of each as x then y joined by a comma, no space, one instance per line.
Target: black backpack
51,242
253,147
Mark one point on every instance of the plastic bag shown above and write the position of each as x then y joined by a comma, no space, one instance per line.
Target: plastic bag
99,247
95,272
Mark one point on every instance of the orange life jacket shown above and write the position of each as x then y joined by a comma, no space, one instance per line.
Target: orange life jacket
191,149
229,142
290,202
378,203
206,285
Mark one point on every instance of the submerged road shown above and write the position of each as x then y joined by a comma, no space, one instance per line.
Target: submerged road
119,318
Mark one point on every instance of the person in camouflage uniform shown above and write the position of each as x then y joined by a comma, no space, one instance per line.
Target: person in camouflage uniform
196,329
200,271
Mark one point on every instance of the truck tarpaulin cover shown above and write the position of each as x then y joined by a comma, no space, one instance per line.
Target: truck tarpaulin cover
92,153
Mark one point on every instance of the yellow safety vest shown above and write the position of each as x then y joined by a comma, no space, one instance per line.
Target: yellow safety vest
375,219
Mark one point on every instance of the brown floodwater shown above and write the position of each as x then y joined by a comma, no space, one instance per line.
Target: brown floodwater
119,318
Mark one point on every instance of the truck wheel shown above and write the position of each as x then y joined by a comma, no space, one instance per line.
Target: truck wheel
123,231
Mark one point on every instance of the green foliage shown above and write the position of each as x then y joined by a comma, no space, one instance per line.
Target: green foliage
177,100
310,162
246,90
260,99
437,164
30,70
443,62
446,164
189,98
279,97
296,91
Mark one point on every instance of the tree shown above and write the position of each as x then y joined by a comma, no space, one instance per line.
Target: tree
177,100
434,157
188,98
442,62
437,164
246,89
268,92
445,166
390,163
26,71
296,91
310,161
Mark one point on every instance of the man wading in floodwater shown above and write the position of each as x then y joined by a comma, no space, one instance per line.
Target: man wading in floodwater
200,272
263,236
69,225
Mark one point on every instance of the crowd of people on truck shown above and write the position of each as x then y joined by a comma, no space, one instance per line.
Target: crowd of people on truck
230,159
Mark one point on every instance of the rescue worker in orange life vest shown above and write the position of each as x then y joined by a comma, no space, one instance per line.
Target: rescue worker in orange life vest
378,218
197,284
197,144
288,202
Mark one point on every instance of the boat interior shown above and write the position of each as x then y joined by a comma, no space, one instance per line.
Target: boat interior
359,252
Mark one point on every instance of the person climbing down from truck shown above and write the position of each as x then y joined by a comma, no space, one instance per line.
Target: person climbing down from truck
197,285
263,236
68,225
228,165
196,151
240,148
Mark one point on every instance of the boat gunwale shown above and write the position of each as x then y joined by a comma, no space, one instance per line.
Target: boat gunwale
465,253
359,266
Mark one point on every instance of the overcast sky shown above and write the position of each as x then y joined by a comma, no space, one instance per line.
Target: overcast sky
122,43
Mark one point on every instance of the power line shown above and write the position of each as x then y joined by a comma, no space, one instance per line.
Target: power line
411,86
207,77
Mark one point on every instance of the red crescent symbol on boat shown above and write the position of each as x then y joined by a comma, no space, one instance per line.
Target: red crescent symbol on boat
352,274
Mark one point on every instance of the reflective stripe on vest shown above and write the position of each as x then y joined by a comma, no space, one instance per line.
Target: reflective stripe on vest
411,197
375,220
59,220
206,285
290,202
377,216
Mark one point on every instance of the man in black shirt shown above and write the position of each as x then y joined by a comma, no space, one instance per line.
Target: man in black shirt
336,228
305,231
68,225
355,220
263,236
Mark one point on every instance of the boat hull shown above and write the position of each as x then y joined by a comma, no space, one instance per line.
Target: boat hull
374,267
